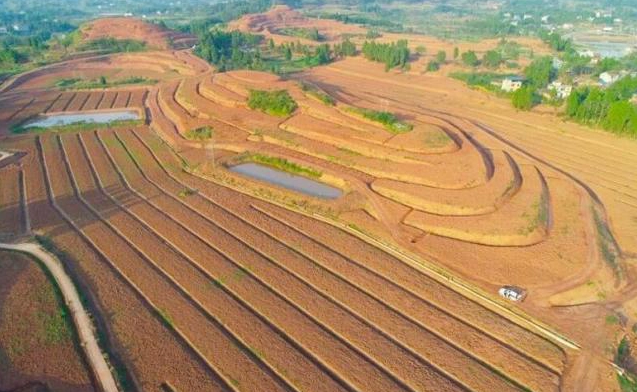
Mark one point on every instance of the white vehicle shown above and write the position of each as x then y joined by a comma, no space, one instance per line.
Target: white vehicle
512,293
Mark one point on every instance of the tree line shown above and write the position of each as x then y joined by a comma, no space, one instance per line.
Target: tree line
395,54
608,108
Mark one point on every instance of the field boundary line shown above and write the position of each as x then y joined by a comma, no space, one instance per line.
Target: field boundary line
81,319
170,244
306,313
189,344
489,367
436,272
432,305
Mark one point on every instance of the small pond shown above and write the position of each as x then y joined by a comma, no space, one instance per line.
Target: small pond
53,120
287,180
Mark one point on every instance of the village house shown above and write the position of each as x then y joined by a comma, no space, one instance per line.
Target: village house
608,78
562,90
512,83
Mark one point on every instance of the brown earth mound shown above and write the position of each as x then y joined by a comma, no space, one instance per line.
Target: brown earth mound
129,28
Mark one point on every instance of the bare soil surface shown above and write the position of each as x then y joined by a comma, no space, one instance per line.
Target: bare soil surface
37,339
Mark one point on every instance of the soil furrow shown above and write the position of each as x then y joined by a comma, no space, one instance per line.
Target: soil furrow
235,364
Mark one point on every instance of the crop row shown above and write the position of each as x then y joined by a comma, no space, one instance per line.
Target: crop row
243,231
117,295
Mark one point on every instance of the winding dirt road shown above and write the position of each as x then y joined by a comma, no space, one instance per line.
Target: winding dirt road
82,322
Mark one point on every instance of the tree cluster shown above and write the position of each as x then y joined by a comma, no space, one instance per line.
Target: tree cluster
395,54
610,108
229,50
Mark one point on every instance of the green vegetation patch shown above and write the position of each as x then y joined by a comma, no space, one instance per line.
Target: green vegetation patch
75,127
113,45
301,32
283,165
101,82
276,103
314,92
389,120
199,134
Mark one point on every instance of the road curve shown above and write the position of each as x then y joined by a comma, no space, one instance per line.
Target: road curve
82,322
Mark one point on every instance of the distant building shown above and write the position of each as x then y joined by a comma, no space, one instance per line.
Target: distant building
607,29
608,78
545,18
512,83
557,63
562,90
527,16
3,30
586,53
567,26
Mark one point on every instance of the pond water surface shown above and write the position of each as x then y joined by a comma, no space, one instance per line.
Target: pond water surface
287,180
47,121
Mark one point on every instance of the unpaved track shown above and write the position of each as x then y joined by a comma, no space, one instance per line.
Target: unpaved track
81,319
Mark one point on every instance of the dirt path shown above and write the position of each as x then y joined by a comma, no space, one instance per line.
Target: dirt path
81,319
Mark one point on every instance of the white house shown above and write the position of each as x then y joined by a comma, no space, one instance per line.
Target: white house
586,53
545,18
608,78
512,83
562,90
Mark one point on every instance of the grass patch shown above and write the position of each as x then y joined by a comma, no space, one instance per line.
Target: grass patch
283,165
605,242
102,82
437,139
387,119
199,134
301,32
112,45
539,215
314,92
166,318
627,383
611,319
186,192
276,103
119,370
56,328
75,127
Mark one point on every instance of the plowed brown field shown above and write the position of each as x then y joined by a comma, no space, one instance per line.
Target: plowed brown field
199,282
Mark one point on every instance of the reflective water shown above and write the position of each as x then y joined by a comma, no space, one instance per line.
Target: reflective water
47,121
287,180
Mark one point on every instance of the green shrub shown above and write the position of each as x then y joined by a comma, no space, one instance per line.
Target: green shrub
389,120
199,134
283,165
276,103
318,94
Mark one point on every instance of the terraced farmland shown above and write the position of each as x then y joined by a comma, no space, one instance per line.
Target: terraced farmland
288,311
202,279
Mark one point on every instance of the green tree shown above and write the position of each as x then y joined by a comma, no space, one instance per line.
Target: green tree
492,59
287,53
456,53
540,72
271,44
524,98
441,57
103,80
433,66
470,58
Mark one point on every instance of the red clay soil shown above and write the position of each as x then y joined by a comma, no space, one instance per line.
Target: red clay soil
130,28
172,301
37,343
245,233
147,357
10,207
